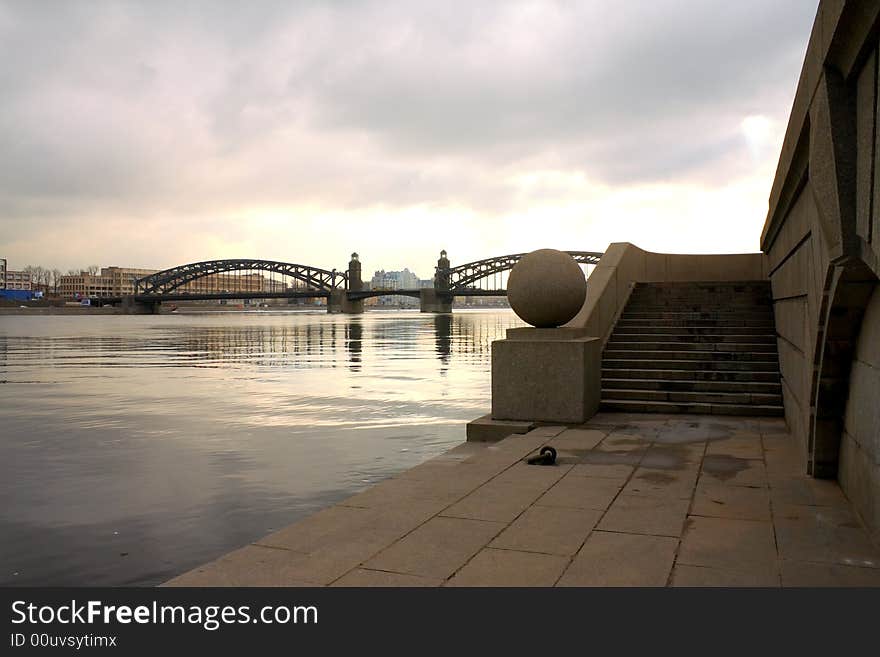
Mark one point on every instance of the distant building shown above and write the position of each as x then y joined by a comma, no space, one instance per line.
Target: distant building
395,280
119,281
14,280
111,282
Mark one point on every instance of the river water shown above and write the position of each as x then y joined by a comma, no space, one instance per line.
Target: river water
133,448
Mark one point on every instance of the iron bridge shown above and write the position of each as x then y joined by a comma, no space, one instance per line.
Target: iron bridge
463,277
167,281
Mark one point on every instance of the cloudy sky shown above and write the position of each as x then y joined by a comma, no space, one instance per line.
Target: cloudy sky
156,133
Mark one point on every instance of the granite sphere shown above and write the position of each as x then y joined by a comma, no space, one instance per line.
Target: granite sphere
546,288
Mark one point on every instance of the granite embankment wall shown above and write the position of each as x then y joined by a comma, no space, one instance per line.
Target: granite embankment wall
822,240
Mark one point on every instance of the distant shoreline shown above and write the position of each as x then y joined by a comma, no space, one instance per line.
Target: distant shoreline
189,310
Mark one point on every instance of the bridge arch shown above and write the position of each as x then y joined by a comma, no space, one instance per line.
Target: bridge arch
464,276
169,280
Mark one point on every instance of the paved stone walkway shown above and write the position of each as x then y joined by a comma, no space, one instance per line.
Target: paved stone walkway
634,500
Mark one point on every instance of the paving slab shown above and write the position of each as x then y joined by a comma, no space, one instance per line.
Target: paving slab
541,476
702,576
499,502
806,492
611,559
746,446
619,473
742,502
638,514
674,455
745,546
249,566
344,525
491,567
662,483
795,573
547,529
438,548
362,577
733,471
578,492
824,535
579,439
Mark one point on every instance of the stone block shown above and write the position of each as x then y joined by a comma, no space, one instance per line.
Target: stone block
546,380
866,118
485,429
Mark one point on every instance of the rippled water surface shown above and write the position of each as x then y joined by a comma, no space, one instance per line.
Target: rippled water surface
135,447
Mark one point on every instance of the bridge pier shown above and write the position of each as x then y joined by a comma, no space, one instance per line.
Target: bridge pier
131,306
338,302
435,301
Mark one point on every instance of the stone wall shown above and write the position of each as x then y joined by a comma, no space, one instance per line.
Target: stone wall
625,264
859,471
822,240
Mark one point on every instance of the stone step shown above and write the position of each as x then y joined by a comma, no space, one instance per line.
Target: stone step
630,406
696,306
624,328
694,338
693,386
670,345
684,364
708,298
730,322
761,399
765,315
672,374
644,354
690,285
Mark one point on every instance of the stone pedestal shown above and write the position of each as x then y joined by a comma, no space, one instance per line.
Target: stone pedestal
434,301
546,375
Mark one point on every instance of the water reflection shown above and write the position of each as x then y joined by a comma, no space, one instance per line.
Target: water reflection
133,448
354,335
443,339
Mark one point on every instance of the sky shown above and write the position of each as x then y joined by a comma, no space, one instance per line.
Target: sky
152,134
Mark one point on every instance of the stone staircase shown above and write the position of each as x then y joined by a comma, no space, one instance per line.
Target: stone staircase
705,348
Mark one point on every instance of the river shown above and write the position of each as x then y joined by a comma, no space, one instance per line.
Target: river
133,448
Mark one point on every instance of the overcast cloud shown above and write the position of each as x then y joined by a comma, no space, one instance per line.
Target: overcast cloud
157,133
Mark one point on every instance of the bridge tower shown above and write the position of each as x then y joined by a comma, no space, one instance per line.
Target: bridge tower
338,302
355,283
438,299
